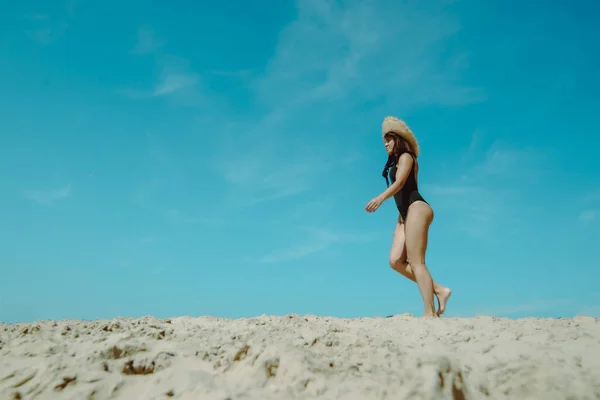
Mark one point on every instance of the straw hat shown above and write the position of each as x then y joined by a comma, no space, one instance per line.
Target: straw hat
399,127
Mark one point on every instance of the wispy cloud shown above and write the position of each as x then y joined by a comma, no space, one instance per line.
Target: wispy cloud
38,17
320,239
592,197
242,73
160,174
485,194
476,140
587,216
359,50
262,179
48,197
170,83
331,58
477,210
137,241
504,162
292,253
175,77
590,204
178,216
147,42
155,271
44,29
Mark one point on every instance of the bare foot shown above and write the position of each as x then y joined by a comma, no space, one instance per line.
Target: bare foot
429,315
442,298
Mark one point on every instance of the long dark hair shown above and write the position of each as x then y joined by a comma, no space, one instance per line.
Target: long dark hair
400,147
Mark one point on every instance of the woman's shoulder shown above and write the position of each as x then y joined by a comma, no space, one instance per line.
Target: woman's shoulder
407,158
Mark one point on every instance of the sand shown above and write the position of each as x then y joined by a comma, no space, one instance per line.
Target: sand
302,357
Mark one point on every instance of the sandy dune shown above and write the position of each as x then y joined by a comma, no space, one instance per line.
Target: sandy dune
301,357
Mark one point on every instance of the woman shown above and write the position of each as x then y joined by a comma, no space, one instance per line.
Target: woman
410,237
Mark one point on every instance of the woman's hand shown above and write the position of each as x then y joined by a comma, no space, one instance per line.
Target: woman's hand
374,204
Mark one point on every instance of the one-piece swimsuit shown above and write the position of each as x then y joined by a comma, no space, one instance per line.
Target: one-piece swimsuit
409,192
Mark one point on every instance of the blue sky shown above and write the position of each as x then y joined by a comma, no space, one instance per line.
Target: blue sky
216,159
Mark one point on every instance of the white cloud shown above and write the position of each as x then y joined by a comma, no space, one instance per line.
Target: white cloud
330,58
146,42
160,175
178,216
38,17
452,190
476,138
493,193
44,29
169,84
292,253
476,209
588,216
320,239
174,82
48,197
175,79
147,239
261,177
360,50
592,197
506,160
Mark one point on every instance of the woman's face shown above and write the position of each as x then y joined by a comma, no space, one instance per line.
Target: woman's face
389,142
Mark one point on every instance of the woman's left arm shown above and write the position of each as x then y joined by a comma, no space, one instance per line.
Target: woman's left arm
404,166
402,171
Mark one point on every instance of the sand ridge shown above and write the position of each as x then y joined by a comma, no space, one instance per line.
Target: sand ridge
301,357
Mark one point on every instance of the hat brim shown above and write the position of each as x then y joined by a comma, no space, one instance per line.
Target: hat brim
394,125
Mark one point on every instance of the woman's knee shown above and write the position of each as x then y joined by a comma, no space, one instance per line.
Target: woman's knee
418,268
418,258
398,264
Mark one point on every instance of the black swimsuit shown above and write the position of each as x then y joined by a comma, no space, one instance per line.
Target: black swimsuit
409,192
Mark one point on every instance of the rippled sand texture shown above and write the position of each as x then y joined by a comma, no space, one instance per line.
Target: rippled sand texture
296,357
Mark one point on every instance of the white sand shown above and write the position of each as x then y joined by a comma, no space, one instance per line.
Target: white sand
296,357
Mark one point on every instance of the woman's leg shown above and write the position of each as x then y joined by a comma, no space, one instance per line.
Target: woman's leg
398,251
418,220
399,263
